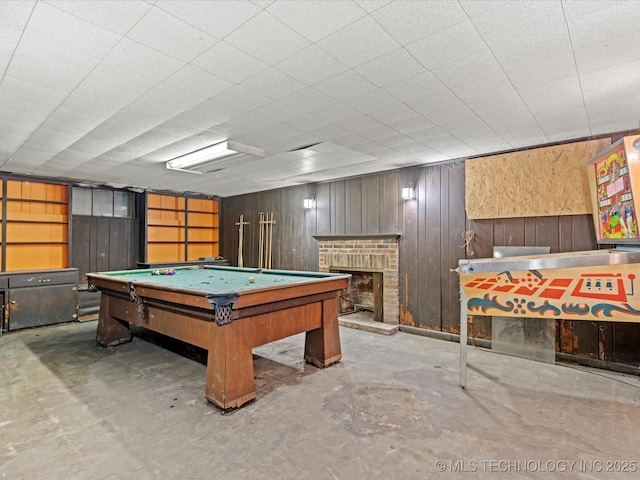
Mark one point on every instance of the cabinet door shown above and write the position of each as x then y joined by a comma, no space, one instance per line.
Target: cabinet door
36,306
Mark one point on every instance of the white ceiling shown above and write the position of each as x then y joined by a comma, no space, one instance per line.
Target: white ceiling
107,91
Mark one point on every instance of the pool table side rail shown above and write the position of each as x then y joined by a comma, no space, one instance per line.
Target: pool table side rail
206,299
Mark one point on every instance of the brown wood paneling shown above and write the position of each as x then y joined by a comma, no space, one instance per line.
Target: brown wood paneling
121,241
430,244
565,233
409,287
626,338
456,226
323,209
390,201
338,208
530,239
371,204
583,236
353,206
81,251
310,252
428,199
514,232
483,240
547,233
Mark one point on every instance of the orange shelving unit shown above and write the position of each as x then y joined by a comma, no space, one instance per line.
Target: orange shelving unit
181,228
36,225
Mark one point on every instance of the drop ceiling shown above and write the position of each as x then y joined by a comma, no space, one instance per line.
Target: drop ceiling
107,91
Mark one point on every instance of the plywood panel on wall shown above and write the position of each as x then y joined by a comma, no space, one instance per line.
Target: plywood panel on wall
531,183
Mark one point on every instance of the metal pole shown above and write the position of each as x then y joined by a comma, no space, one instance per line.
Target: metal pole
463,337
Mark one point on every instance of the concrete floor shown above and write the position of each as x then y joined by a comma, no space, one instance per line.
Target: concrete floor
392,409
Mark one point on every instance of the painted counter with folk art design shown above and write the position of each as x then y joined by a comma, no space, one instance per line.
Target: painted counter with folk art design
599,285
227,311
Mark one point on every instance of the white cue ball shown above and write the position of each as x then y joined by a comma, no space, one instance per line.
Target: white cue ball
251,279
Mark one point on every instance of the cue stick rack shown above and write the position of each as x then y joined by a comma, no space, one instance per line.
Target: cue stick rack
266,223
241,225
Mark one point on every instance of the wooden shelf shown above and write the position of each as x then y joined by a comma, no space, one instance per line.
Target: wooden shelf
179,224
37,225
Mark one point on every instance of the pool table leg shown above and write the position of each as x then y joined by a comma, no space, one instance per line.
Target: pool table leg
230,383
110,331
322,345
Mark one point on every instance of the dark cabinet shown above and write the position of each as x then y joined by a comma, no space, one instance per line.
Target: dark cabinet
39,297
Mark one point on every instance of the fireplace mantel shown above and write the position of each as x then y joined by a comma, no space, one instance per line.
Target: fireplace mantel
357,236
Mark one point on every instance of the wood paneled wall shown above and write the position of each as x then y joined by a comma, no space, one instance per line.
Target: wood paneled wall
101,244
431,228
431,243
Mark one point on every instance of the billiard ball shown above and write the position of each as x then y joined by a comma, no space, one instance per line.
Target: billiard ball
251,279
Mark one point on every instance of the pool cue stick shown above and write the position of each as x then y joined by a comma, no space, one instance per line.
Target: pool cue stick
268,262
241,225
261,242
269,224
271,239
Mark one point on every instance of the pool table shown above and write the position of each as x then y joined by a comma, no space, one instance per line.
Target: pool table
227,311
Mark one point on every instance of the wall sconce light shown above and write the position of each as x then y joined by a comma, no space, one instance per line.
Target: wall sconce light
408,193
308,203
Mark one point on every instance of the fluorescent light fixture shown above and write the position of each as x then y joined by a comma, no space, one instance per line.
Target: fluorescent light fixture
408,193
195,162
308,202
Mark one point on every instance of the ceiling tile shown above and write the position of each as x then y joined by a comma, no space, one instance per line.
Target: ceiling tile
276,112
590,20
617,50
472,68
360,124
229,63
308,100
218,18
411,125
433,103
266,38
558,89
488,87
366,41
184,43
336,113
416,87
13,19
242,98
346,85
302,17
395,114
554,67
306,123
273,84
409,21
138,58
311,65
459,41
118,17
390,68
197,81
372,101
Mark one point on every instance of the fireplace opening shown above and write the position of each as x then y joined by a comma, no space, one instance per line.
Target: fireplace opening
364,293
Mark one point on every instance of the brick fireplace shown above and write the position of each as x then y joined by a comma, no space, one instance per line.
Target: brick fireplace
377,253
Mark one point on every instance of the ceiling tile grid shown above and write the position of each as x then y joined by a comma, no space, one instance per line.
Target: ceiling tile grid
106,92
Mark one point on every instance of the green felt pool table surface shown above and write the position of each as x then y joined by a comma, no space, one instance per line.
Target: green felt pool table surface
217,279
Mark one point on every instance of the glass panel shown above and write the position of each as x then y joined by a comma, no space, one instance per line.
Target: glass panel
103,203
122,204
81,203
